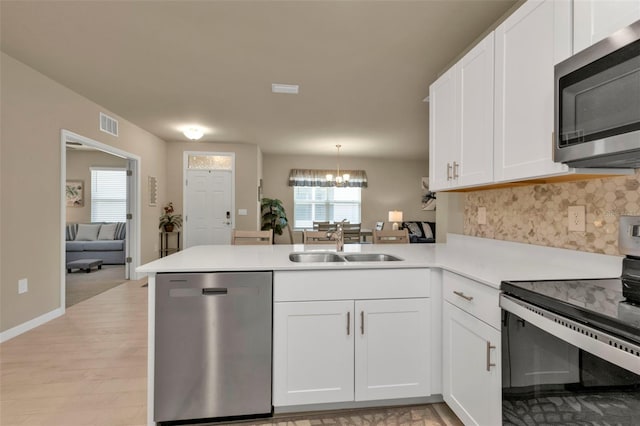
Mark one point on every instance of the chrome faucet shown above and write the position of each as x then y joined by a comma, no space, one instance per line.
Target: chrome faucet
338,235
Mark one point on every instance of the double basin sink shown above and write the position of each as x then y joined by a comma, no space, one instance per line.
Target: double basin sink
328,257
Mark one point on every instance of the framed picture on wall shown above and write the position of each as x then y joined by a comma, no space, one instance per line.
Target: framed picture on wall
74,191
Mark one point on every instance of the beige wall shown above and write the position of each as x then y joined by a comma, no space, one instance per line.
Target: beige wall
393,185
537,214
246,182
34,109
79,165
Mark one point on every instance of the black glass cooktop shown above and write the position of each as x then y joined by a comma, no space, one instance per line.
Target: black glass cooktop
598,303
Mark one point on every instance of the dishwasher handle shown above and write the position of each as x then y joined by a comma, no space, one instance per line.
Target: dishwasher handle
214,291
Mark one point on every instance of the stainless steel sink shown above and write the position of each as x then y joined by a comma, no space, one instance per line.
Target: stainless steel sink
315,257
326,257
370,257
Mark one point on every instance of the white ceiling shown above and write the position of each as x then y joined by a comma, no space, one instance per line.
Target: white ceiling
364,67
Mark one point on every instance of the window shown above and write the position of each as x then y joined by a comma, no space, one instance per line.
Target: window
108,195
314,203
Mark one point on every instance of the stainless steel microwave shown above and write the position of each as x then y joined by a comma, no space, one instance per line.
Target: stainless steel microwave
597,104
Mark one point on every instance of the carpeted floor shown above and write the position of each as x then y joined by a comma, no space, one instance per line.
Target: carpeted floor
82,286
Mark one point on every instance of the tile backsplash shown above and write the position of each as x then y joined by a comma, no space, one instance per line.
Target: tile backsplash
537,214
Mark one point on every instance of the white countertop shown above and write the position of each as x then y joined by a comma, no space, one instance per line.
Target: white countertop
484,260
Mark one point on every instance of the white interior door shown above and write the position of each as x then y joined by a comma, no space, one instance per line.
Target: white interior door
208,207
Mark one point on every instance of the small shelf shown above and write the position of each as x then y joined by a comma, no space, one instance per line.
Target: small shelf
165,239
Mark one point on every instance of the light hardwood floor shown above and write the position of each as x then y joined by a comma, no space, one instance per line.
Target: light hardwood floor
89,367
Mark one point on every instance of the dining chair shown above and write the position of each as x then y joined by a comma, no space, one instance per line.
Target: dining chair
244,238
400,236
316,237
351,233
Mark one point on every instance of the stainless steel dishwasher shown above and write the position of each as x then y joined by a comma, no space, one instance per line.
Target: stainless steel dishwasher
213,345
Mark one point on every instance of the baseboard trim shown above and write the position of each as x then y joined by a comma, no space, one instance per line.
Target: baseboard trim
30,325
359,404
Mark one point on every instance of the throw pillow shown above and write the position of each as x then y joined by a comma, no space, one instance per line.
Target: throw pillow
414,228
428,232
107,231
87,232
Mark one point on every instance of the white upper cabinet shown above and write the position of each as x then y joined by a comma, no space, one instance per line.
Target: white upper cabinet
528,45
476,115
461,121
443,125
594,20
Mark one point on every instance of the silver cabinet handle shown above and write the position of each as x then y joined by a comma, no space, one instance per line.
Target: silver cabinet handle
489,364
461,294
348,323
448,171
361,322
455,170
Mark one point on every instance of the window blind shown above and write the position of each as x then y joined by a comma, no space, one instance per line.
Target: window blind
108,195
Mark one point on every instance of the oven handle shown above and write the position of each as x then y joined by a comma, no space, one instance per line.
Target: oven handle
604,345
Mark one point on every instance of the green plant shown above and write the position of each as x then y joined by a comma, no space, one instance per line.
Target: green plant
273,214
169,218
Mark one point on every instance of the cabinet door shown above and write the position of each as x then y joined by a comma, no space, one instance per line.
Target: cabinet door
442,130
471,363
475,162
594,20
392,349
528,45
312,352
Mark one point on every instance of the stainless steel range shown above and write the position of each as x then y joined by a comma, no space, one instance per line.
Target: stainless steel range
571,348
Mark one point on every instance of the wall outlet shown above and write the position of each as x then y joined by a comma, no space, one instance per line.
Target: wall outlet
23,286
577,218
482,215
242,212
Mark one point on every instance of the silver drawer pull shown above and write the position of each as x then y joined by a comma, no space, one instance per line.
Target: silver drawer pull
461,294
449,171
489,363
348,323
361,322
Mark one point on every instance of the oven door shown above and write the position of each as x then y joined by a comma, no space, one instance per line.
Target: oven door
557,371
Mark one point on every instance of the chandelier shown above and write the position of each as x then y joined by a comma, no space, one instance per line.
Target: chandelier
340,180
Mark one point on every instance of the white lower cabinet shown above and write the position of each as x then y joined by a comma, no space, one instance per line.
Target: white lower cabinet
346,350
313,352
471,368
392,349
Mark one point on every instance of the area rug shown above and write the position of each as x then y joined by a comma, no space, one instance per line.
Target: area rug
82,286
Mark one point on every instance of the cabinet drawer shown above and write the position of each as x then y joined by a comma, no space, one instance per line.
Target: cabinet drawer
479,300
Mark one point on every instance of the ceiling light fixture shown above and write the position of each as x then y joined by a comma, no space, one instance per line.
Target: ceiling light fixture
340,180
289,89
193,133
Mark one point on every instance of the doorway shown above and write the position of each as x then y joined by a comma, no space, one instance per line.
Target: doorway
209,194
118,264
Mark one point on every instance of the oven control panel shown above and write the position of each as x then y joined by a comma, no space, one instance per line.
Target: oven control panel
629,235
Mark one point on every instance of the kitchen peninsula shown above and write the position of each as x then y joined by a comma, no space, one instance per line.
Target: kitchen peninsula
377,307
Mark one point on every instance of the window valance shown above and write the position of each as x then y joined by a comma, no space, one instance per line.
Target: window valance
314,177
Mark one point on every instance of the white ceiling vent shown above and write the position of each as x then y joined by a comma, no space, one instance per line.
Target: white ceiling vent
290,89
108,124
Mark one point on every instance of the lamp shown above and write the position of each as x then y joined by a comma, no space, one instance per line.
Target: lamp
193,133
395,216
340,180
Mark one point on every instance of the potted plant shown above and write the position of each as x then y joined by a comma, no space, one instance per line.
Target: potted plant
169,220
273,214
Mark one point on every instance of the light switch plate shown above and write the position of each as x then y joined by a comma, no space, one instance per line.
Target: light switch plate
482,215
23,286
242,212
576,218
